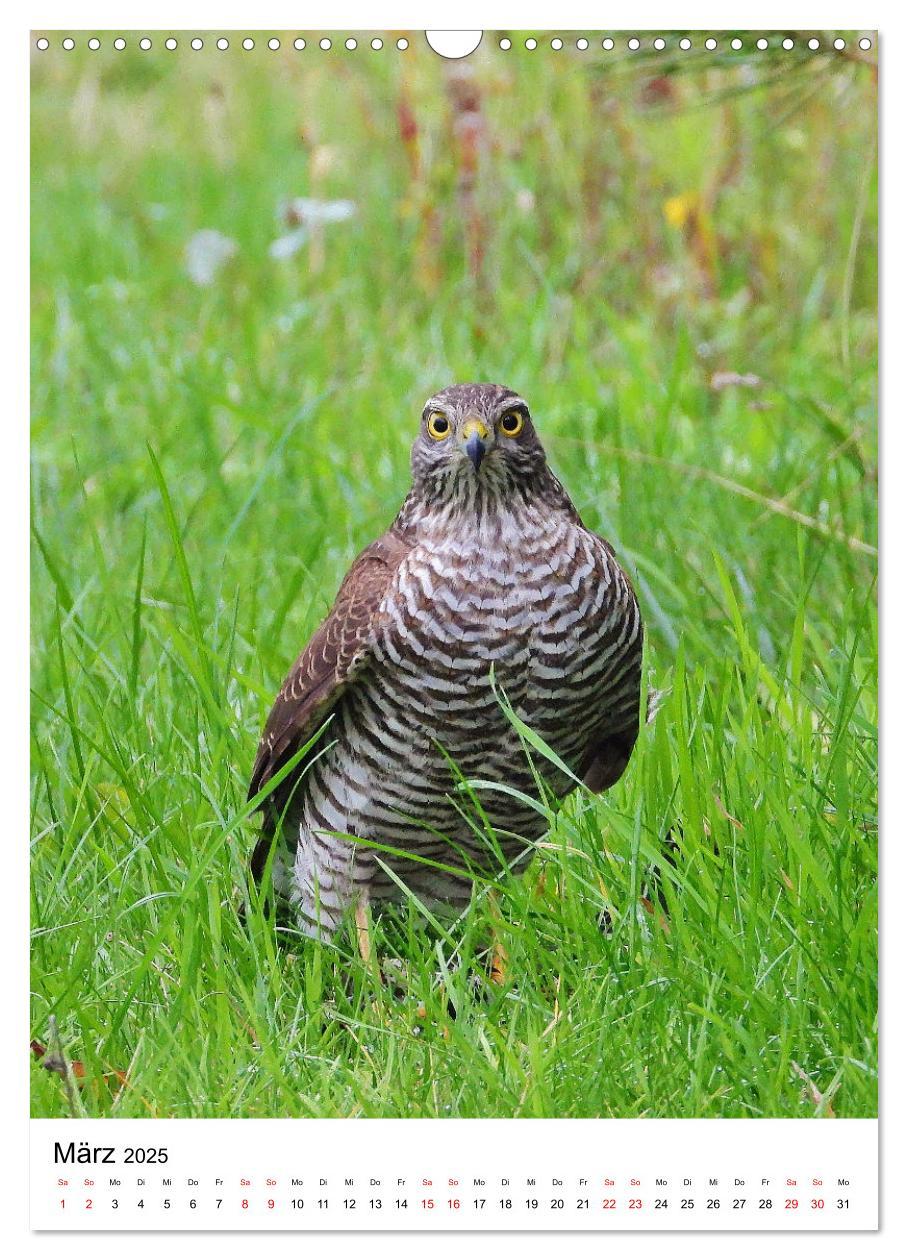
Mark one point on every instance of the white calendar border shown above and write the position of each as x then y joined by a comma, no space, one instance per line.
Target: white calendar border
280,14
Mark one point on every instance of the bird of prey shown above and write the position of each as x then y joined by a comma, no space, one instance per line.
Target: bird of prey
487,583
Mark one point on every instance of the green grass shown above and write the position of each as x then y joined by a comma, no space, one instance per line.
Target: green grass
207,461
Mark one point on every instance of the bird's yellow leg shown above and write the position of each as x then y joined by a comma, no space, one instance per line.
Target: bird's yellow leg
499,958
363,920
363,929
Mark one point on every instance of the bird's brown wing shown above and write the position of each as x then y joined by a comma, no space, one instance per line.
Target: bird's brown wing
330,661
610,749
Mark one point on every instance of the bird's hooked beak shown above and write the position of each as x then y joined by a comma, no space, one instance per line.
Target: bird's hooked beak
474,439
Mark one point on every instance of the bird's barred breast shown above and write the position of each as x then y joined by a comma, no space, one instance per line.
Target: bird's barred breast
556,623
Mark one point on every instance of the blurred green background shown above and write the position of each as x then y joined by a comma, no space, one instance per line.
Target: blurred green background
249,271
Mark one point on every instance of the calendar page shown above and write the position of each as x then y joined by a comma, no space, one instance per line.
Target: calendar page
454,653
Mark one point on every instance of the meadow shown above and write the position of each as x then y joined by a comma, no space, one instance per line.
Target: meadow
673,258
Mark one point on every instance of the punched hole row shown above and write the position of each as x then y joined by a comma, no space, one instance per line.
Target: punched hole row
222,43
684,43
633,44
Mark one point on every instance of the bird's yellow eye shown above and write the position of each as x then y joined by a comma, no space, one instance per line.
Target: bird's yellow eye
438,425
511,423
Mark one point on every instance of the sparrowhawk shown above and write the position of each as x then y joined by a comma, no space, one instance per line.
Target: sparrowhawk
486,586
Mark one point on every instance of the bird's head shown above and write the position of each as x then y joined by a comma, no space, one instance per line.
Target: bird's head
477,435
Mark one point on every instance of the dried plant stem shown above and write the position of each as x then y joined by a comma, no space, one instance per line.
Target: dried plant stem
777,506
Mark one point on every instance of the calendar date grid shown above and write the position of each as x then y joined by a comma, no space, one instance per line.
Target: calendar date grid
453,1195
450,1175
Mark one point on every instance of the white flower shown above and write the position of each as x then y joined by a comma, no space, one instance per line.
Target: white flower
285,246
307,211
302,214
206,253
